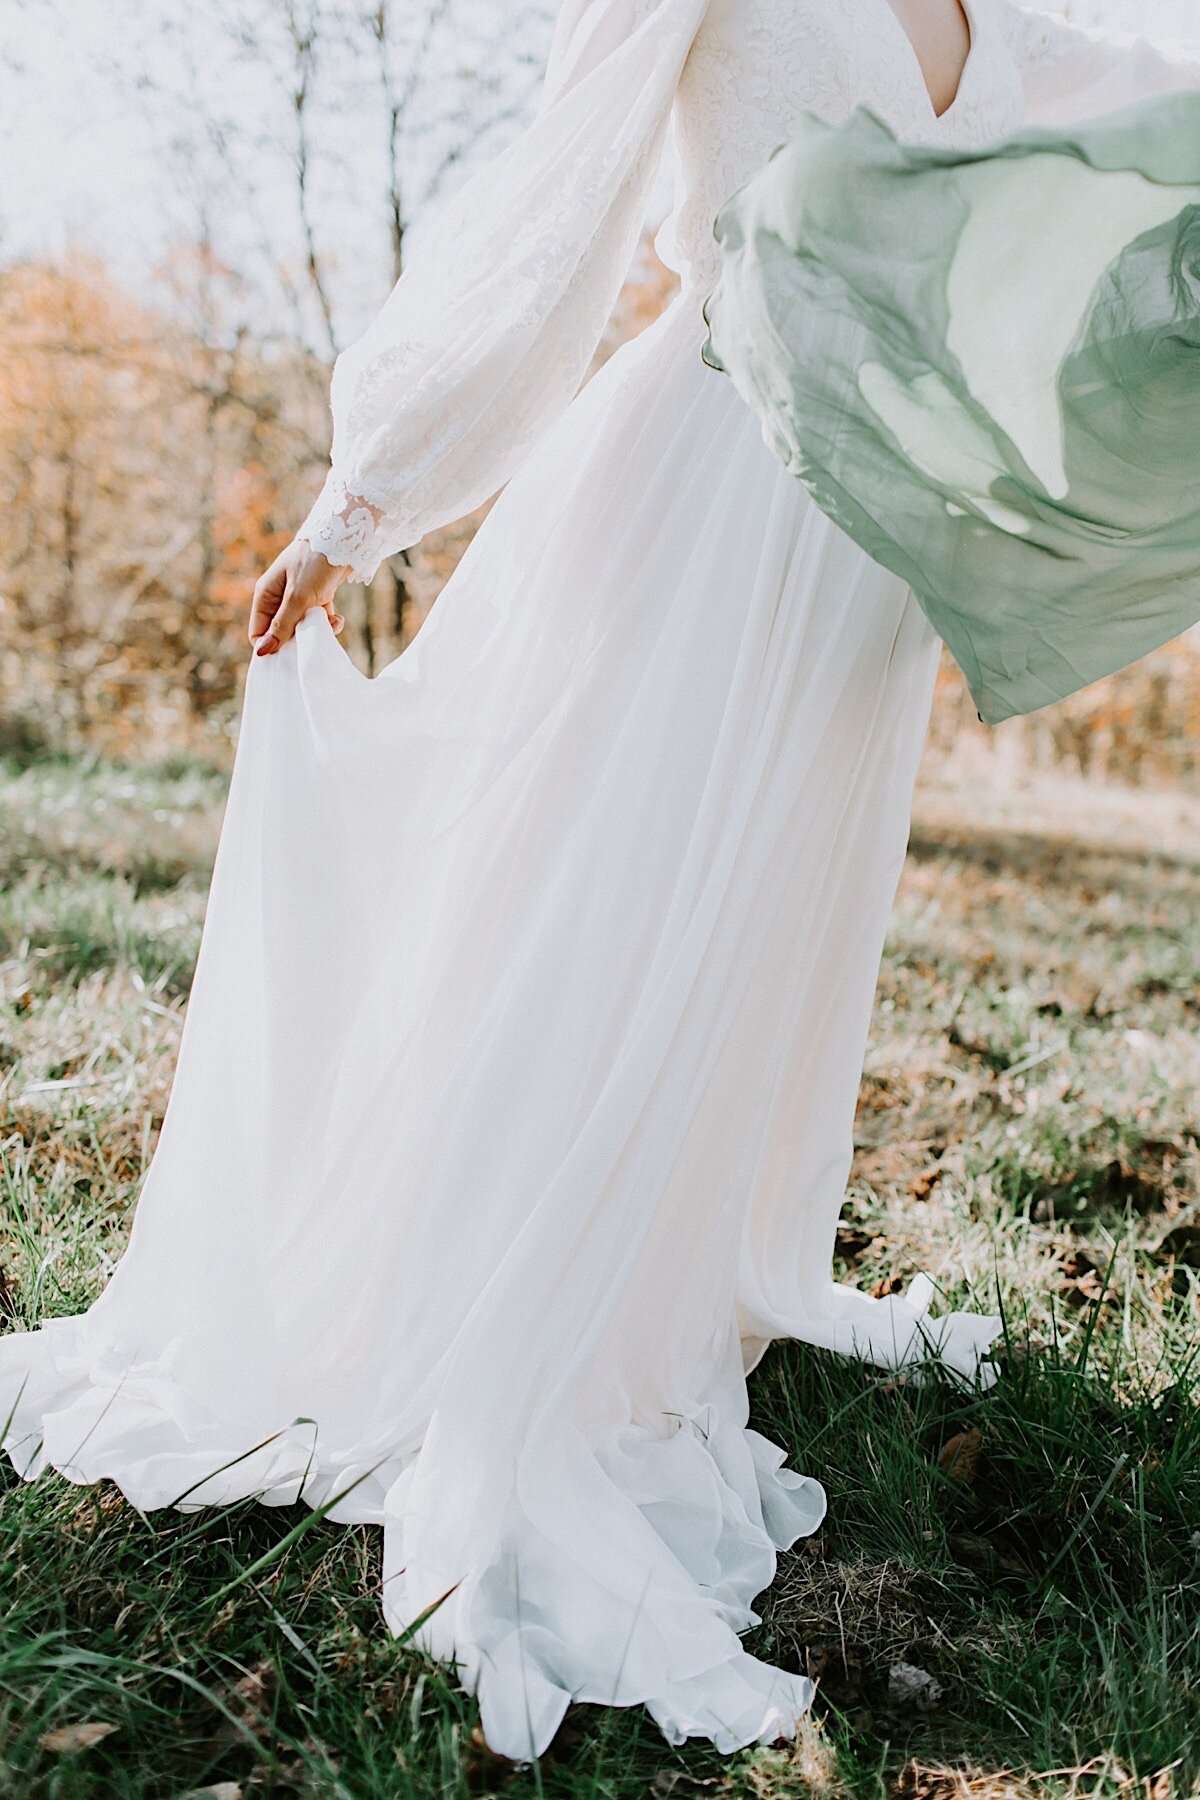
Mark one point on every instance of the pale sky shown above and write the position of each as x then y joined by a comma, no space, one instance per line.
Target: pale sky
121,120
101,146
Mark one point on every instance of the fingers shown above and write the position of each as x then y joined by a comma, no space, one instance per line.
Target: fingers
269,591
282,624
299,580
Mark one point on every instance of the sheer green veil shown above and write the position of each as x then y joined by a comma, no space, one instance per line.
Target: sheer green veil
985,366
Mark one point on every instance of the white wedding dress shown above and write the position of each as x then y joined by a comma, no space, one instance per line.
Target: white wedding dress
514,1106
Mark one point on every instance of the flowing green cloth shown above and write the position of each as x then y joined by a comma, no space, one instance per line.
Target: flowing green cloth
985,366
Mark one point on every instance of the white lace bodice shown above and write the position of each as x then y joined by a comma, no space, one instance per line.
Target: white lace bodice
757,64
486,337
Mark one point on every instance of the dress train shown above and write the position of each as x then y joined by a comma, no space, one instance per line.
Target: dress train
551,953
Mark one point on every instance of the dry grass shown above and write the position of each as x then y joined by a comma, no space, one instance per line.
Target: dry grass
1005,1603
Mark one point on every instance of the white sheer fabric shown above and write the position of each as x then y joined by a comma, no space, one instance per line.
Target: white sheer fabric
1071,73
490,330
514,1107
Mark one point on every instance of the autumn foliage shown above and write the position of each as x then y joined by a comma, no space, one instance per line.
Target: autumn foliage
147,470
154,457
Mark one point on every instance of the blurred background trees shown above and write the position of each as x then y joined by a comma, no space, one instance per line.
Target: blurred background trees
161,438
164,423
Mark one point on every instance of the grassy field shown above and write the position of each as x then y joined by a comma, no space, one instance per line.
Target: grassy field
1006,1599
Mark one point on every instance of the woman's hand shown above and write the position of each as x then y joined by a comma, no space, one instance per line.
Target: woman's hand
298,581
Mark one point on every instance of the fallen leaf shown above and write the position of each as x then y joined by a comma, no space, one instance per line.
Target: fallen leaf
1084,1282
922,1185
910,1686
852,1241
839,1669
251,1690
971,1549
888,1284
959,1458
249,1698
987,1553
69,1740
1182,1245
485,1769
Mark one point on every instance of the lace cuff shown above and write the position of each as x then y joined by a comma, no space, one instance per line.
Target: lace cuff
484,340
350,530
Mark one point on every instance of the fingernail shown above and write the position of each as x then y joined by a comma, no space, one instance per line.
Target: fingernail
266,643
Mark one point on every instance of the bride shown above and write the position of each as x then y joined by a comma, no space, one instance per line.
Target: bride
513,1110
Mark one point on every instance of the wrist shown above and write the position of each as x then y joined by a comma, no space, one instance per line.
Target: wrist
320,564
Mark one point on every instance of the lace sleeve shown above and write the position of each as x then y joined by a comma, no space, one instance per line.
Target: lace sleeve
1072,74
488,333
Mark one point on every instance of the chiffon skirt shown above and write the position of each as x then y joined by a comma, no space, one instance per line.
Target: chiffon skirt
513,1111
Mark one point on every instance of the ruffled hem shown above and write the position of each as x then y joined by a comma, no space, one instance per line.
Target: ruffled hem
671,1536
897,1332
619,1572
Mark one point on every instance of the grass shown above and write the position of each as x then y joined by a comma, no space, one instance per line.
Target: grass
1005,1600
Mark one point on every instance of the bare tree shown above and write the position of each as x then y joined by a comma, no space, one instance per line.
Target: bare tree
303,25
297,141
369,110
495,73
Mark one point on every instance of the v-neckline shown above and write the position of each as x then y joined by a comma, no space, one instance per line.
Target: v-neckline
967,8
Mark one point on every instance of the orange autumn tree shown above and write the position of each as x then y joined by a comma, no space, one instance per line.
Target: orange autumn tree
153,458
148,468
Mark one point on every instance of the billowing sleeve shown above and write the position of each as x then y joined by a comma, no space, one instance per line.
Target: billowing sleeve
487,335
1072,74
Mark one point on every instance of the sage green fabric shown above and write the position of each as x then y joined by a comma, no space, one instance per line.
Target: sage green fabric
985,366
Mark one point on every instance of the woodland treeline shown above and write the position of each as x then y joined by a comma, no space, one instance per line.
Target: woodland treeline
158,448
149,471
